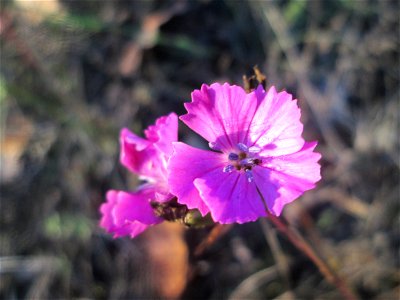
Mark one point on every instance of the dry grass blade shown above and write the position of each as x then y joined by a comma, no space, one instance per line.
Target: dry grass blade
253,282
279,255
298,64
348,203
297,240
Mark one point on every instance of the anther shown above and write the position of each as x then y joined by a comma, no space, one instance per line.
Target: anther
242,147
228,168
249,175
233,156
247,161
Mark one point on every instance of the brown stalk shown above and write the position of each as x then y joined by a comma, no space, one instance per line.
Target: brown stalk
216,232
300,243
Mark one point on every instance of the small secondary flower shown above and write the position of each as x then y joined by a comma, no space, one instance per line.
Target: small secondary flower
127,213
259,160
130,213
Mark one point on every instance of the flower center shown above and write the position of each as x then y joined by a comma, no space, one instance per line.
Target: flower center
245,159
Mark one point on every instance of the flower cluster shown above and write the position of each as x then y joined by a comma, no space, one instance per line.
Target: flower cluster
257,162
130,213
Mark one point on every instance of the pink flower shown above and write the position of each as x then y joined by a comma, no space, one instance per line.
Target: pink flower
257,150
130,213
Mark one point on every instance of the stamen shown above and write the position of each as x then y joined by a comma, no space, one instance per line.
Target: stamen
242,147
249,175
233,156
228,168
247,161
254,149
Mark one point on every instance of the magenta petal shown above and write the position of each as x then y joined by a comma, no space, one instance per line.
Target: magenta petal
221,114
162,197
137,154
163,133
148,157
302,164
136,228
292,174
108,223
276,125
106,208
187,164
230,197
117,217
135,207
269,190
287,189
132,139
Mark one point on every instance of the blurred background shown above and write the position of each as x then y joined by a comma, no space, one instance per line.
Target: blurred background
74,72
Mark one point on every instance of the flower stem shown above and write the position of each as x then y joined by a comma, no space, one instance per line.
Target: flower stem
300,243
